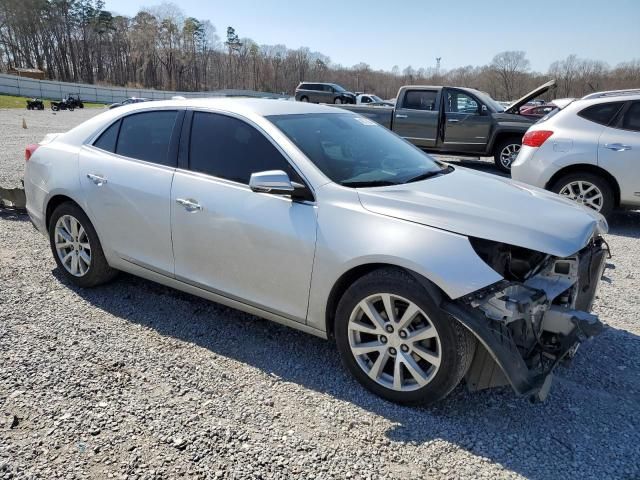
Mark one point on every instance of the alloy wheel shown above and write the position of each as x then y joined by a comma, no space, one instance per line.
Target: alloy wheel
508,155
394,342
584,193
72,245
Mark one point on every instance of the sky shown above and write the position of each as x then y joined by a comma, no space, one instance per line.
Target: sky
414,32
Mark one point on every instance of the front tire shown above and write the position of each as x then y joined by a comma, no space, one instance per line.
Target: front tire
505,153
587,189
397,343
76,247
338,101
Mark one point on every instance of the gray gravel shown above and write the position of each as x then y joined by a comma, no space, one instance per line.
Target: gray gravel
135,380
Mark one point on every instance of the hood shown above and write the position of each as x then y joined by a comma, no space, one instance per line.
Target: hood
494,208
542,89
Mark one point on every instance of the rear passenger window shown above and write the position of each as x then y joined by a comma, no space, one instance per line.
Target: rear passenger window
420,100
602,113
107,141
146,136
229,148
631,120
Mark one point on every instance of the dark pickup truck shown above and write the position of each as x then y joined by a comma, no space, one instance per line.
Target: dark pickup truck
456,120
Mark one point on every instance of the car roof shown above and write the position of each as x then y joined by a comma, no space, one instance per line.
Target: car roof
244,106
249,108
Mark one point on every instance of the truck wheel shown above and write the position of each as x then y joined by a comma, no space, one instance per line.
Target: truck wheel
506,151
397,342
587,189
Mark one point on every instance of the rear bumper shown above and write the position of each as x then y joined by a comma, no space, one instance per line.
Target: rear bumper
529,169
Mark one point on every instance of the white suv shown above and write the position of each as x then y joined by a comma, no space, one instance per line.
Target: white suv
589,151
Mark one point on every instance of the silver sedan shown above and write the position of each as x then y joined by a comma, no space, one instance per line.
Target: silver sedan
322,220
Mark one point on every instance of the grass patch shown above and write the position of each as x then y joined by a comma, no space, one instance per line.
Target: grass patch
9,101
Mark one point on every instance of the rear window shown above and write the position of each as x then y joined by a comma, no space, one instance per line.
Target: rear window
420,100
603,113
146,136
631,119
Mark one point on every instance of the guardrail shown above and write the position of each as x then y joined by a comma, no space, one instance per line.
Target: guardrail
53,90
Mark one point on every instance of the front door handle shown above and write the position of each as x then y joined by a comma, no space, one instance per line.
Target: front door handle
453,120
400,115
617,147
189,205
97,179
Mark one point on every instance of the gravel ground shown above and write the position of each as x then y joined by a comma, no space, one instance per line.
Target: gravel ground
135,380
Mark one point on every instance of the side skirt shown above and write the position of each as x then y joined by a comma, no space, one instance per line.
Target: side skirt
214,297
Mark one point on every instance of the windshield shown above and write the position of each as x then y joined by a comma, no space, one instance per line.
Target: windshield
354,151
338,88
376,98
487,100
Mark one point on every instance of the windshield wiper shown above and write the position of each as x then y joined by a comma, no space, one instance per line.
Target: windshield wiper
369,183
425,175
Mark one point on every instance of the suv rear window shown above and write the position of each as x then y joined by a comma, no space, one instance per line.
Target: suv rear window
602,113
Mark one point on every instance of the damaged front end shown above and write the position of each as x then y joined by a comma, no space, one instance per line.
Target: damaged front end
533,319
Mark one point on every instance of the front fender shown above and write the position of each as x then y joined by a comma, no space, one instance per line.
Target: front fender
350,236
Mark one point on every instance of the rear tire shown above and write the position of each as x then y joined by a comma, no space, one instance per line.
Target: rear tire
432,341
304,99
505,152
587,189
74,240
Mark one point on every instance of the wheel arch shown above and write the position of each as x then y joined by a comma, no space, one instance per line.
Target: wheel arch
588,168
501,135
359,271
54,202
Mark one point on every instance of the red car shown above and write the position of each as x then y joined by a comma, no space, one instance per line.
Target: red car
537,111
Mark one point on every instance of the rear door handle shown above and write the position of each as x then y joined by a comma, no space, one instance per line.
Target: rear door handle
189,205
97,179
400,115
453,120
617,147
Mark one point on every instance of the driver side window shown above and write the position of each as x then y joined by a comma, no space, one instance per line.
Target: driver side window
459,102
226,147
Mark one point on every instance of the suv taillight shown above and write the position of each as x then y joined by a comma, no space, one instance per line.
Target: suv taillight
536,138
30,150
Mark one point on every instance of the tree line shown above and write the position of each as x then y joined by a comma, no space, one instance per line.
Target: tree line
161,48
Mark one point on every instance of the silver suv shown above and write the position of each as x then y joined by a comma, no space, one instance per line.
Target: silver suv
589,151
323,93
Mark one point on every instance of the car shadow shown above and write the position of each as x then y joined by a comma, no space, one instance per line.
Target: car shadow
13,214
600,393
625,223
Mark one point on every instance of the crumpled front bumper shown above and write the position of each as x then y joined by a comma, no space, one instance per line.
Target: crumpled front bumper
499,360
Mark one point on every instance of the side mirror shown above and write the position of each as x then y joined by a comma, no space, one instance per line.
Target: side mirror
483,110
271,181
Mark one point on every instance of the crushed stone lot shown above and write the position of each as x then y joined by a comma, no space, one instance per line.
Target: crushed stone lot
135,380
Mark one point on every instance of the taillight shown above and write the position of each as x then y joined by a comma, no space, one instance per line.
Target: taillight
30,150
536,138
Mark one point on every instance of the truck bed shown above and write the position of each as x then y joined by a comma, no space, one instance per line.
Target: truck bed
381,114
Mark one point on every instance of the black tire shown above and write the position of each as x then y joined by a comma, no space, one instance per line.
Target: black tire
602,184
304,99
457,343
99,271
337,101
55,108
514,142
